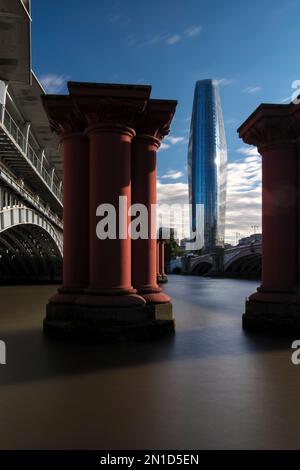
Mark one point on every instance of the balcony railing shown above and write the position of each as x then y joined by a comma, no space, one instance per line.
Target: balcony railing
52,181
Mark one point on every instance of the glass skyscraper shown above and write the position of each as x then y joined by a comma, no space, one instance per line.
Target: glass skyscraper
207,165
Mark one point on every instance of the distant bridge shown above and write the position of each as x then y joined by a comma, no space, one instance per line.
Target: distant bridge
239,261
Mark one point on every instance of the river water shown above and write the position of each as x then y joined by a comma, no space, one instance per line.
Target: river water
211,386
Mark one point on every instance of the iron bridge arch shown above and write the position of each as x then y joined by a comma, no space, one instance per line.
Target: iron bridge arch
30,248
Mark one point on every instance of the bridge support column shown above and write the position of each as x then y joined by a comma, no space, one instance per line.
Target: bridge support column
150,131
65,122
111,306
276,304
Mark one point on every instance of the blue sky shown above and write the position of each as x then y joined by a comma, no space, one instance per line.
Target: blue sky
250,47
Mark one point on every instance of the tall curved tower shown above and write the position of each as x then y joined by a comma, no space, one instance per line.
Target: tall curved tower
207,165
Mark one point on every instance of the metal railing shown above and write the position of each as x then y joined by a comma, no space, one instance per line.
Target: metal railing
24,192
29,153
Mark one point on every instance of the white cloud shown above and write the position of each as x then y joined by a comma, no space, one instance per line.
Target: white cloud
171,194
193,31
249,151
171,140
164,146
243,207
173,39
173,174
288,99
169,39
157,39
225,81
174,140
252,89
53,83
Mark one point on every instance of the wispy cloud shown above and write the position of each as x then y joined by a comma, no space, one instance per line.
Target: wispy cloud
249,151
164,146
252,89
225,81
170,39
193,31
53,83
172,174
172,140
173,39
175,140
288,99
154,40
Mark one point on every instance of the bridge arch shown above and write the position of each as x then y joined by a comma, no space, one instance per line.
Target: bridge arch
30,247
202,268
248,265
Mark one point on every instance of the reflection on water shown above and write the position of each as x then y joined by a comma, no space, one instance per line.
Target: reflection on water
212,386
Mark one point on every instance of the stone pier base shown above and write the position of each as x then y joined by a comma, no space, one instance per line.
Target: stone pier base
162,279
102,324
270,317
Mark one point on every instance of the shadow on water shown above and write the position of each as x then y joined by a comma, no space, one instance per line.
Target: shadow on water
31,356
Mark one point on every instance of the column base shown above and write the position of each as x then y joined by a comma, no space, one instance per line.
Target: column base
153,294
109,324
67,295
277,315
162,278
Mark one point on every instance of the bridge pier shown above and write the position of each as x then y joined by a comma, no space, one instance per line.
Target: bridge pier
112,307
276,304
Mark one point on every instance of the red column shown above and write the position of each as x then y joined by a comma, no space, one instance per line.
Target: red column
280,217
154,124
76,211
110,110
69,126
269,128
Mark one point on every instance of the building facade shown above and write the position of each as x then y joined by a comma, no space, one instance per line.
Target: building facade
207,166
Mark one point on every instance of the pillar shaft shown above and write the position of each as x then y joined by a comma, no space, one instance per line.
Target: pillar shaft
76,211
280,215
69,126
153,125
110,259
144,269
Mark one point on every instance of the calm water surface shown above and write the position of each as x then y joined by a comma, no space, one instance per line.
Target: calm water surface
212,386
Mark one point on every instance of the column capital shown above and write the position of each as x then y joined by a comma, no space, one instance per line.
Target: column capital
269,124
156,119
64,119
109,104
